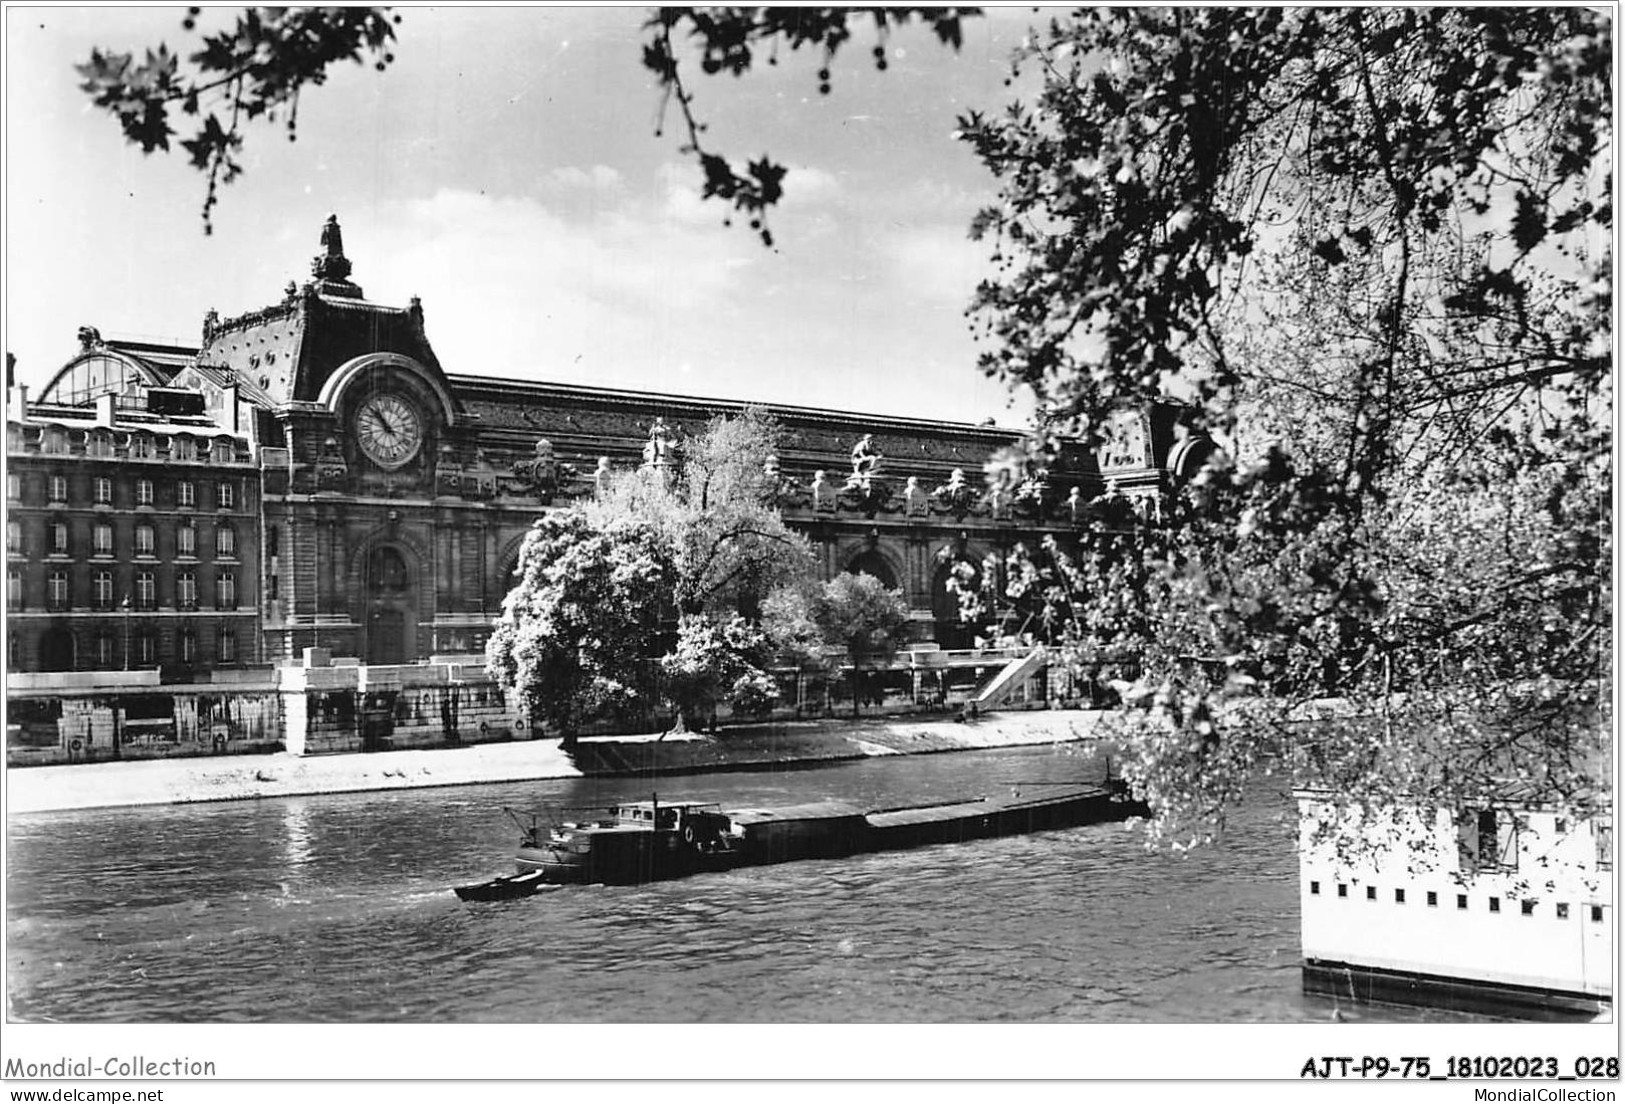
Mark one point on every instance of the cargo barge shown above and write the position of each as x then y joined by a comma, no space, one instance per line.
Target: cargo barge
645,841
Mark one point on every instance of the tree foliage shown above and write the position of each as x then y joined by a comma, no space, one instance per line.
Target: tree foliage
258,66
859,612
633,599
1376,240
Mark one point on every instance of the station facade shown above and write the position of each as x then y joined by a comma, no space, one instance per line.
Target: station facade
310,477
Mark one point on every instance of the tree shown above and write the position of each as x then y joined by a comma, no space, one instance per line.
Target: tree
647,582
859,612
1377,240
717,660
573,634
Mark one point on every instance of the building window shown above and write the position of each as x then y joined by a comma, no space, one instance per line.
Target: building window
56,590
1399,896
226,495
227,646
1529,908
14,589
141,446
99,444
1562,910
1596,914
101,542
146,648
1604,830
1487,839
1433,898
14,486
54,441
146,590
225,591
1314,889
145,540
185,540
1495,904
14,536
1370,893
143,492
182,448
225,541
1461,900
186,493
104,490
1562,826
104,650
59,489
186,590
188,646
102,589
222,452
1342,890
59,538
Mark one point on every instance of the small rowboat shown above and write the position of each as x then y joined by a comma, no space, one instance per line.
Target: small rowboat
510,887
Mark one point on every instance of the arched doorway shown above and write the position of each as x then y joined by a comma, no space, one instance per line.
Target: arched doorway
391,606
949,630
871,562
56,649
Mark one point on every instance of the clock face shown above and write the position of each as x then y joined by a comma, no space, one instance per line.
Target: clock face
388,430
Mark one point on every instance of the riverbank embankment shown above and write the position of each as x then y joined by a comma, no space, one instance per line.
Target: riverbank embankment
179,781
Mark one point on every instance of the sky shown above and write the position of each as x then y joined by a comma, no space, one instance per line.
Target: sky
506,168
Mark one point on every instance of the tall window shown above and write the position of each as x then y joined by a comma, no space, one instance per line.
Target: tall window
182,448
186,590
56,590
222,452
146,590
59,488
104,650
185,539
102,540
14,486
143,492
186,493
146,648
226,646
226,495
101,589
14,589
225,591
188,646
99,444
54,441
225,541
14,536
104,490
59,538
145,540
1604,829
141,446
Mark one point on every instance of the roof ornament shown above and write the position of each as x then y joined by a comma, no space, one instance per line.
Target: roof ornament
331,267
89,337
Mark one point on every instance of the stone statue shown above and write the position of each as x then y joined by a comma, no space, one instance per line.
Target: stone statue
1075,505
661,447
915,501
865,458
955,496
601,476
823,495
540,474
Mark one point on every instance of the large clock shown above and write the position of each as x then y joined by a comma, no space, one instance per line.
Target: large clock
388,429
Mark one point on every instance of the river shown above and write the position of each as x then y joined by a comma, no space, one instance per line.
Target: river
338,909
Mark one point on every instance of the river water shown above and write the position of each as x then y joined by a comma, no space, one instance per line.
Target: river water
338,908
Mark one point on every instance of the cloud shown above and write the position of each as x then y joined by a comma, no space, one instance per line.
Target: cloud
598,178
